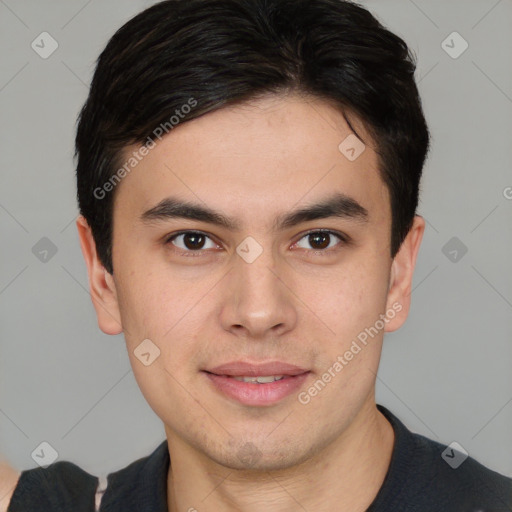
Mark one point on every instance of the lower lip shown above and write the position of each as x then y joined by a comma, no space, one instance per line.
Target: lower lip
249,393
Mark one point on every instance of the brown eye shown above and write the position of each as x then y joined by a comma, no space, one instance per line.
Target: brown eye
321,240
190,241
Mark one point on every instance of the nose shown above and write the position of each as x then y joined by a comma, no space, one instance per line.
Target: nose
258,298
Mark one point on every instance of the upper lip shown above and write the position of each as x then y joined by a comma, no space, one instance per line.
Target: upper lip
242,368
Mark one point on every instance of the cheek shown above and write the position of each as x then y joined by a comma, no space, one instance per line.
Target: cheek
148,307
167,309
351,299
155,308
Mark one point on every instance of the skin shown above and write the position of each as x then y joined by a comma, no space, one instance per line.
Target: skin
8,480
254,162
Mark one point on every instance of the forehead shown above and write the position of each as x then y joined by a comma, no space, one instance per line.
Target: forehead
263,156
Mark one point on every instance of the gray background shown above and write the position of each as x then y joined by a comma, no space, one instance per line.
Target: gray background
446,373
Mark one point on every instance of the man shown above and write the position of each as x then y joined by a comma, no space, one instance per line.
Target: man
248,177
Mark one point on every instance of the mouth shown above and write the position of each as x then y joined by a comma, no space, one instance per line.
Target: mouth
261,379
246,370
257,384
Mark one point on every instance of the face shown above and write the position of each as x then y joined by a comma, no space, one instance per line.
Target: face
261,286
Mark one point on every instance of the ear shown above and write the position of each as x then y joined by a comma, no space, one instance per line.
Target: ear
402,269
101,284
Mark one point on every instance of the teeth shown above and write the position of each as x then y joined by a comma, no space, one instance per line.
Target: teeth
260,380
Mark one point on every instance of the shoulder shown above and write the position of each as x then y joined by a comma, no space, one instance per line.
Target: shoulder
427,475
460,478
150,468
64,486
142,485
61,485
9,478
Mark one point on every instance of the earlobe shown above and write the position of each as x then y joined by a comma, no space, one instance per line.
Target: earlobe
402,270
101,284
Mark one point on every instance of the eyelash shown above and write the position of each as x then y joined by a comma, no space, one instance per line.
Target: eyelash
344,240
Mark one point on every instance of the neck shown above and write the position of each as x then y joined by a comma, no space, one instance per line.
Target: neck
346,475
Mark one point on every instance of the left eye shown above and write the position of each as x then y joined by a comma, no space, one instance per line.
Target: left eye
321,239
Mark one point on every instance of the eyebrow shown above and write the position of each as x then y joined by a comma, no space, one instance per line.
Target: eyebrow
336,205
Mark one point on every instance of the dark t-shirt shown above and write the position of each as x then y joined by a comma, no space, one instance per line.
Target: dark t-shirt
419,479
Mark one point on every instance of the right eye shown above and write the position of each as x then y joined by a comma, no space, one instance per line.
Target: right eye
189,242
